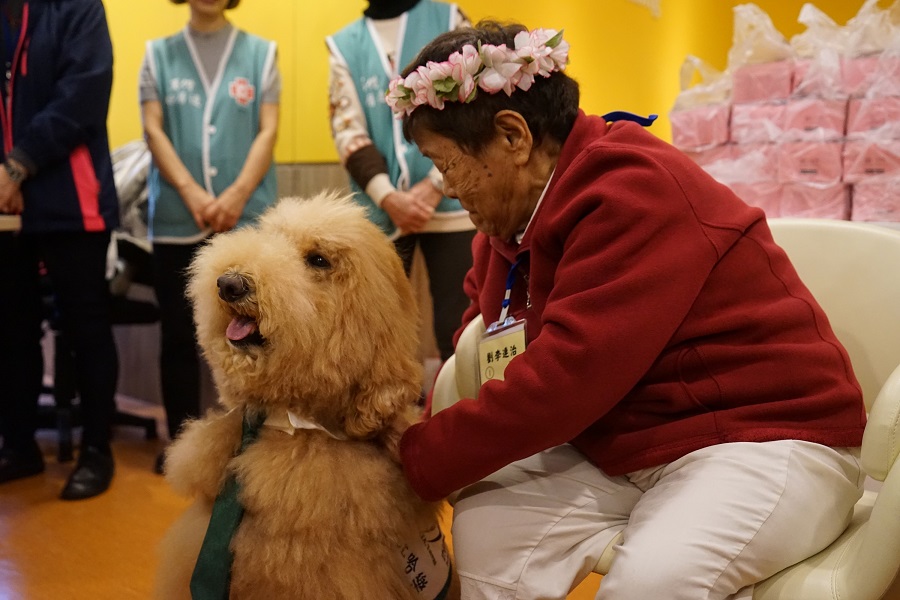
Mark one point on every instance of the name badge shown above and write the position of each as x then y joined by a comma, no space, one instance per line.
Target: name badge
498,346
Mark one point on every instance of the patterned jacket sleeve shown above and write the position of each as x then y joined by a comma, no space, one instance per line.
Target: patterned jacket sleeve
350,132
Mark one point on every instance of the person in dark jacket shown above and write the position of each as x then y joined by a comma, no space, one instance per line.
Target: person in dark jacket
57,174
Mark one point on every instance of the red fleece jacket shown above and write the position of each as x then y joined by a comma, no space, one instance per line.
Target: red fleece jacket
662,318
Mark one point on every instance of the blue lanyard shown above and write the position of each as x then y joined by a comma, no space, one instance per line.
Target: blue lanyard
504,306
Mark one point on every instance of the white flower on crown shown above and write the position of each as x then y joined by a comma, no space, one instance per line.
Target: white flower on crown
487,67
464,67
501,69
540,57
420,85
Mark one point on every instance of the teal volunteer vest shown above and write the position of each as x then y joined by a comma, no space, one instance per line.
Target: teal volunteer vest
355,46
212,125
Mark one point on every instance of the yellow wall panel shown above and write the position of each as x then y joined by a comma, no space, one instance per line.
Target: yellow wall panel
623,57
131,24
298,27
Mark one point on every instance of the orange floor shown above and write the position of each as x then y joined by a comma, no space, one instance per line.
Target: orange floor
102,548
587,590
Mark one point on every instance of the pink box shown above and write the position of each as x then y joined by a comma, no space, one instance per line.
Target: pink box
762,82
757,162
814,201
755,123
748,163
819,78
809,162
857,73
864,159
764,194
878,73
865,115
711,155
877,200
814,119
701,127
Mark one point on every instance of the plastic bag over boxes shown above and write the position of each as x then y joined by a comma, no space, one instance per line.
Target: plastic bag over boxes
806,127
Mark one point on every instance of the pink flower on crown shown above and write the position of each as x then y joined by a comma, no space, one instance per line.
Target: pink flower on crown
559,48
442,83
464,67
438,71
542,50
530,56
490,68
419,85
501,71
398,97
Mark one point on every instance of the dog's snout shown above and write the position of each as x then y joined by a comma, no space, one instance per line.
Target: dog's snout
232,287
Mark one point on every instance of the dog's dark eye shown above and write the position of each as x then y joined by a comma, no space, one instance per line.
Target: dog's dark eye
317,261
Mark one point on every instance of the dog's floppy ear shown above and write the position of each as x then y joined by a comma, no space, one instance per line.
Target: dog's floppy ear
393,381
382,308
376,408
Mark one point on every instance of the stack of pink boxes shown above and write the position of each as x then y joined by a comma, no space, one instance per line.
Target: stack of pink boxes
871,157
800,137
816,137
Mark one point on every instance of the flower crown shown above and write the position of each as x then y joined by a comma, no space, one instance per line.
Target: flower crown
490,68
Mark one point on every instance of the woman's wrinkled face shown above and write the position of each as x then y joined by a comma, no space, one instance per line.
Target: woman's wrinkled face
487,184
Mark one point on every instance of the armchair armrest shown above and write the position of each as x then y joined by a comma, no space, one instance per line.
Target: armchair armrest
458,377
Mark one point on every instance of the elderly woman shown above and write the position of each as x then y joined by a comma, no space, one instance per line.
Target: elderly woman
678,383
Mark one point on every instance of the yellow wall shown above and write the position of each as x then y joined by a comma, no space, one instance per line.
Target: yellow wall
623,57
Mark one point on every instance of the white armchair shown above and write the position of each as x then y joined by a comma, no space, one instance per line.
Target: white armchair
853,270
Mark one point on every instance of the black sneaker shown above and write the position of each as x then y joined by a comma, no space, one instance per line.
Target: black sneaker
15,464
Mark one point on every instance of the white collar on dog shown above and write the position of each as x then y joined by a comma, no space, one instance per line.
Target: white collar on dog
290,422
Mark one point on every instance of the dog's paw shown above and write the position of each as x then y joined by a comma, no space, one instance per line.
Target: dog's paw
196,461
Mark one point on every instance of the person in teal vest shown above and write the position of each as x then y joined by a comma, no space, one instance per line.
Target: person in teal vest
400,188
209,100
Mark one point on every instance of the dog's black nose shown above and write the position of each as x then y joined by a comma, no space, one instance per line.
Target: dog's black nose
232,287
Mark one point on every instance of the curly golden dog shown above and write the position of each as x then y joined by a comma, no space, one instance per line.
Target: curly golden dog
309,325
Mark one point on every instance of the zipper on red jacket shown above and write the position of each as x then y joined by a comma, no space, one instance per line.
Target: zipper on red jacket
6,110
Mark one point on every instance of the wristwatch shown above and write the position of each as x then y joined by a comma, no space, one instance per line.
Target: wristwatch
16,173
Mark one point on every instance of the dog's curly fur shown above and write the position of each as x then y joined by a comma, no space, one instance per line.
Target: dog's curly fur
323,323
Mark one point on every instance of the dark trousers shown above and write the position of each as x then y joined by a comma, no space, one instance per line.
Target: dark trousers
74,263
448,257
179,355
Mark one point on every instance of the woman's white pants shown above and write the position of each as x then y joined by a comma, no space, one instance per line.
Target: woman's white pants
705,527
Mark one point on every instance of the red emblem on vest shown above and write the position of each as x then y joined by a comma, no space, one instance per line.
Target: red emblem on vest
242,91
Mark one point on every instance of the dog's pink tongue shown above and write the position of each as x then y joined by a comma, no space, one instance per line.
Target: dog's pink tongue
239,328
